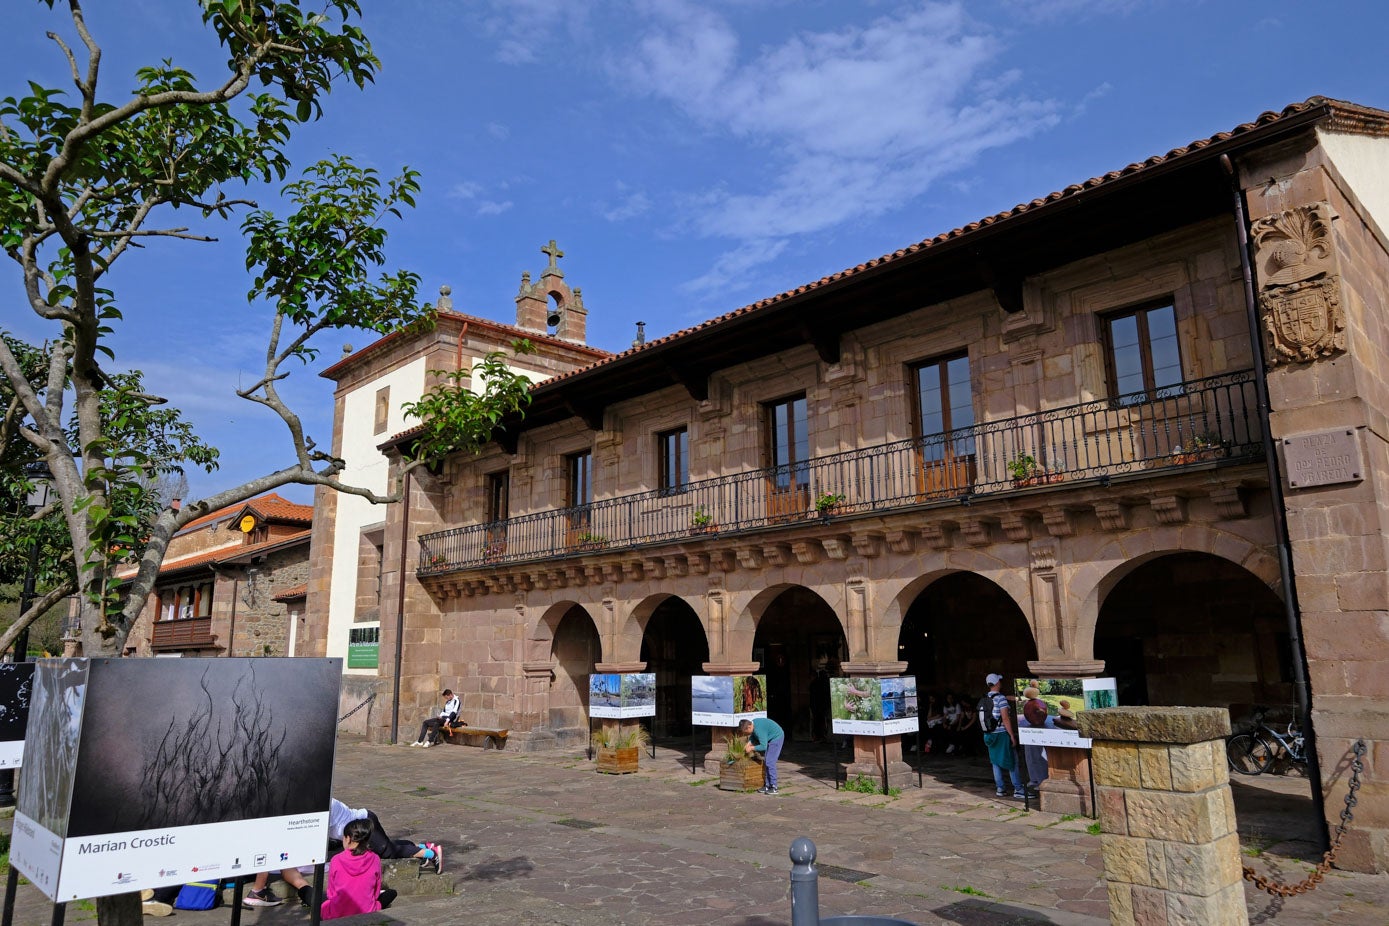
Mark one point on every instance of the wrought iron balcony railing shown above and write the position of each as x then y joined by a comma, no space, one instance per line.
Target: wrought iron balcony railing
1210,420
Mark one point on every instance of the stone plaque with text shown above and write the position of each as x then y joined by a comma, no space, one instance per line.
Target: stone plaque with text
1322,458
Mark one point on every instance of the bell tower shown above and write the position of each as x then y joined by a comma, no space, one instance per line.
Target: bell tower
549,306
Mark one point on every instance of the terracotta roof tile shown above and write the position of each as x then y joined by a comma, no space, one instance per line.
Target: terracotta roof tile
219,555
297,591
270,505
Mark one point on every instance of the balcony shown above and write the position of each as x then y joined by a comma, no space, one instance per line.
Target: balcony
1202,423
184,633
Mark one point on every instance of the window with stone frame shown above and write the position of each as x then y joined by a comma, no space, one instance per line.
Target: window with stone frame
1142,355
788,441
498,499
382,414
673,454
578,493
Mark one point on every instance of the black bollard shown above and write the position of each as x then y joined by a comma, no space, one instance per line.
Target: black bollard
805,894
805,884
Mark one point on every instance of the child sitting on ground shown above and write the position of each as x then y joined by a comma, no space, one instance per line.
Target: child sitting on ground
354,876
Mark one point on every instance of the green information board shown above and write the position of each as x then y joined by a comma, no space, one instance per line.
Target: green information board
364,648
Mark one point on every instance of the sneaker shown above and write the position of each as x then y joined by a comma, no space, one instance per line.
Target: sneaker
1019,796
417,743
438,857
306,896
762,790
999,793
950,750
156,908
426,745
261,898
771,791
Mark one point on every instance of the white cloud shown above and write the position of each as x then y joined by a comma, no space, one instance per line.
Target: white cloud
854,121
498,131
731,270
491,207
632,205
464,190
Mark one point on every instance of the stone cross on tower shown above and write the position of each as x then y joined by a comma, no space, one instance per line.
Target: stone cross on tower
555,253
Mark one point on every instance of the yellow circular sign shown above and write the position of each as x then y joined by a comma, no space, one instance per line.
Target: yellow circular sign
248,524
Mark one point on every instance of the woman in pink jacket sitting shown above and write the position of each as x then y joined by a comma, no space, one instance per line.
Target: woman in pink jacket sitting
354,876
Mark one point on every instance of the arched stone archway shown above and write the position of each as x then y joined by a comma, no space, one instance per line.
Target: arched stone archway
674,648
958,628
1091,583
1191,628
574,649
797,633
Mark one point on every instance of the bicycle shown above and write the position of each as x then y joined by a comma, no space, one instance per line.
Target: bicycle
1254,753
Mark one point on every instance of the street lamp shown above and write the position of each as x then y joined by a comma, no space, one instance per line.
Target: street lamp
36,500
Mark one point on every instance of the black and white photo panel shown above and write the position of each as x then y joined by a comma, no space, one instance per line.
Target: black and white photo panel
183,769
16,686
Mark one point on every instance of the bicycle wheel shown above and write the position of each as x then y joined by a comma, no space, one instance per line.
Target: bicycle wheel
1249,754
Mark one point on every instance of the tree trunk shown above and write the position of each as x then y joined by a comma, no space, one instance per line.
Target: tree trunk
94,645
119,910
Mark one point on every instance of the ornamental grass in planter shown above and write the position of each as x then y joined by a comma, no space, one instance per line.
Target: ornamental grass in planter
619,749
737,772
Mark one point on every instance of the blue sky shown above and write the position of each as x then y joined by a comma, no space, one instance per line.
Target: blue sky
690,158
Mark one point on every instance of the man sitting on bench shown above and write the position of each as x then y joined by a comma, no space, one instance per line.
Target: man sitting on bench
429,730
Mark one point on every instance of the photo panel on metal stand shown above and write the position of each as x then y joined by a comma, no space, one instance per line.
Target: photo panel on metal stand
143,773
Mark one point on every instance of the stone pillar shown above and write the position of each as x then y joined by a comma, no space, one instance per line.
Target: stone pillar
1171,852
1067,788
871,751
719,736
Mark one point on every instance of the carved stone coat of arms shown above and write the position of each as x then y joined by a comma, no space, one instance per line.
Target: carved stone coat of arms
1299,284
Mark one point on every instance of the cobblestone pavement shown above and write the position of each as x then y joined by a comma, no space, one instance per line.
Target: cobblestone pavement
536,840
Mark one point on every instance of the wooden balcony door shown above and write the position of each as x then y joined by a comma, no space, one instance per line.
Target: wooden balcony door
945,449
788,453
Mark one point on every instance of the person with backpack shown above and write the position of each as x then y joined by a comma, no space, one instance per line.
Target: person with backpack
1000,730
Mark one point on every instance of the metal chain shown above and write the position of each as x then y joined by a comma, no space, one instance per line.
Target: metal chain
1278,888
370,698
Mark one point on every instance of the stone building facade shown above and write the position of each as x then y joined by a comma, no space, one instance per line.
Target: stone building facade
1037,445
352,583
232,584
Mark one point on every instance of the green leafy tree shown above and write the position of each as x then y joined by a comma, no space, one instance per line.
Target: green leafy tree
83,178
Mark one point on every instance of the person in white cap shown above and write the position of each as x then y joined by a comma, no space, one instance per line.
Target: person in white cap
1000,737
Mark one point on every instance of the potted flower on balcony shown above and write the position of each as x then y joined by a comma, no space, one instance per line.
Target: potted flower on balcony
702,522
737,771
619,749
1202,447
587,540
436,561
1026,471
826,502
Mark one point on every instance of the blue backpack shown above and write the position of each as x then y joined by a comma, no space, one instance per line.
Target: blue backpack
198,895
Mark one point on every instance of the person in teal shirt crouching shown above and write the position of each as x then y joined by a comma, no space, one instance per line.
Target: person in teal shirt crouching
765,736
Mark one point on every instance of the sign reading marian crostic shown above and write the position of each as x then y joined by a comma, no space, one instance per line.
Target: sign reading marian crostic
1053,721
727,700
622,696
16,680
142,773
873,706
1322,458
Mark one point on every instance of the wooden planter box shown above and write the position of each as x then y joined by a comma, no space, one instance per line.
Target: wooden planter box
618,761
743,775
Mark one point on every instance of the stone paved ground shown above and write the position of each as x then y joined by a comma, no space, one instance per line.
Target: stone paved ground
670,848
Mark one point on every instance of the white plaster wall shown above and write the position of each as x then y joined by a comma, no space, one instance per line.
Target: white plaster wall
1364,162
367,467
